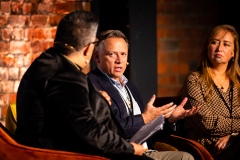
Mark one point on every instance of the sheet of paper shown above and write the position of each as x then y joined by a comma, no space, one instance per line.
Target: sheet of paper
148,130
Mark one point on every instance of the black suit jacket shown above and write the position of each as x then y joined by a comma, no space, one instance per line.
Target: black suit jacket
58,108
130,124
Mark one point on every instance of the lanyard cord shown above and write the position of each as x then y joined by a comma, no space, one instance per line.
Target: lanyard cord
230,99
128,102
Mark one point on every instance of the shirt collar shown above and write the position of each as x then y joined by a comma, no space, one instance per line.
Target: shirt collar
123,80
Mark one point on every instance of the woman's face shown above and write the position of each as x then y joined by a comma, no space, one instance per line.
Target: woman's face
221,48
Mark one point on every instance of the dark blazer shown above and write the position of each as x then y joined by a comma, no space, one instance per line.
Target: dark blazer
58,108
130,124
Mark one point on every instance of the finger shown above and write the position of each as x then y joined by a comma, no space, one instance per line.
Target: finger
223,146
151,101
194,110
184,101
166,108
166,113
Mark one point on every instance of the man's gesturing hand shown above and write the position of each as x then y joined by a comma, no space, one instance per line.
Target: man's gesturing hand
151,112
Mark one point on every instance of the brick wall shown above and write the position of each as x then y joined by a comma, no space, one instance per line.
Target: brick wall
181,29
27,28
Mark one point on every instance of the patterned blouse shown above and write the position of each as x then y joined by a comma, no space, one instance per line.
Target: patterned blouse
213,120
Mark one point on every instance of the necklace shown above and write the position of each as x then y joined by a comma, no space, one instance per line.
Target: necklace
221,84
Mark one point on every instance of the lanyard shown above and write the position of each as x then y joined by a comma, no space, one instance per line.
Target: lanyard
230,99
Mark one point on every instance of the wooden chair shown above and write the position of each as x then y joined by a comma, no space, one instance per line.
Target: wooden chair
176,139
11,150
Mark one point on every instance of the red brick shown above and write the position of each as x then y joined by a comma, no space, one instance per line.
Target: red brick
162,79
27,59
7,33
19,20
54,19
48,34
37,46
16,85
35,55
64,7
163,68
12,97
54,30
172,80
8,60
18,47
13,73
16,7
39,20
18,33
28,33
180,68
169,57
47,44
19,60
46,8
162,92
5,7
38,34
3,20
22,71
2,96
26,9
7,86
3,74
4,47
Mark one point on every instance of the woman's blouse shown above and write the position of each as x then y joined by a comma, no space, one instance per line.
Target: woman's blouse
217,117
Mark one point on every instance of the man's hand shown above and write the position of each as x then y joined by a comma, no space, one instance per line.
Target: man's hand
151,112
138,149
180,112
106,96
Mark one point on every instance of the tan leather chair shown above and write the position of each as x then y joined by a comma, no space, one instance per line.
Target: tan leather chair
11,150
11,122
11,118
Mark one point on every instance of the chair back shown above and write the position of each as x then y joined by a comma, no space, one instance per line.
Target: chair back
11,118
11,150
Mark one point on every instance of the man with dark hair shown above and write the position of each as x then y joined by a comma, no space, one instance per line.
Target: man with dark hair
58,107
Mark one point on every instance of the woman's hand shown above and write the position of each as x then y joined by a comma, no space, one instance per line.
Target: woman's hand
222,142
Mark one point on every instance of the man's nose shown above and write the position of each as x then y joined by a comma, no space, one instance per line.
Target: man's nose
118,58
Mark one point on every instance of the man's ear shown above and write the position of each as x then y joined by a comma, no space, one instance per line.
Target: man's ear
96,56
86,50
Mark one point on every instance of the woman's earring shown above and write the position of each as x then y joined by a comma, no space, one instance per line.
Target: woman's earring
232,59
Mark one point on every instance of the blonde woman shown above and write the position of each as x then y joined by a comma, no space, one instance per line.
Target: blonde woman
214,86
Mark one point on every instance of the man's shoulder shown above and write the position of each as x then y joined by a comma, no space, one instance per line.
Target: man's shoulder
94,73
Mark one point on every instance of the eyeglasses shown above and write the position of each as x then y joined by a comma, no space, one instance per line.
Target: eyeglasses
71,47
95,43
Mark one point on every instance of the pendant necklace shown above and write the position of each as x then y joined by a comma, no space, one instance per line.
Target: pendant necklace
221,84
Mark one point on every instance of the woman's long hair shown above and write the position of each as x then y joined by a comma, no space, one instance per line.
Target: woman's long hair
233,65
